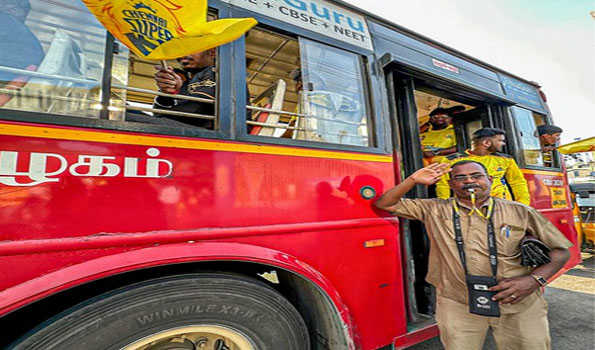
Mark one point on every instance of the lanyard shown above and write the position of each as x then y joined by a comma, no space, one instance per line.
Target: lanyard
491,237
476,210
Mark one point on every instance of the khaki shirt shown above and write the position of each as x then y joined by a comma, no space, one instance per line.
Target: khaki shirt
445,271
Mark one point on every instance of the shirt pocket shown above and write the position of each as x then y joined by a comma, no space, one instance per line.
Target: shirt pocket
509,239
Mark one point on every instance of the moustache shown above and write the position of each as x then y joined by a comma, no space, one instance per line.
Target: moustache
470,186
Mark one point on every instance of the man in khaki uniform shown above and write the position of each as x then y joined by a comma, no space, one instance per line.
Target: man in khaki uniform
523,322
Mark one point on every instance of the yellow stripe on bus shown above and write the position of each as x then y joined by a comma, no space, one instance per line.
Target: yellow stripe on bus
164,141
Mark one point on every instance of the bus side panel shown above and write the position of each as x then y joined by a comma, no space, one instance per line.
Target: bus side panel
550,195
214,185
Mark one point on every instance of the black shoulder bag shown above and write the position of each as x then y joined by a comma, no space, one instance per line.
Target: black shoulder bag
480,298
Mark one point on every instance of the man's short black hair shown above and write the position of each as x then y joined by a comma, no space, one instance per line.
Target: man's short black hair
468,161
487,132
548,130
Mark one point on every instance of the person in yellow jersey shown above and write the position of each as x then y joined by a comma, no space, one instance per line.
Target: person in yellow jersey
486,147
439,139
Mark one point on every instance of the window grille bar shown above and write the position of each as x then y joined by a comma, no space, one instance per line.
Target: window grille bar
165,111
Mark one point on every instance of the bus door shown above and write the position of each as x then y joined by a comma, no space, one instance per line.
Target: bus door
408,106
416,135
405,137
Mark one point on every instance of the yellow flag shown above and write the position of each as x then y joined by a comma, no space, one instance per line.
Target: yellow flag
166,29
587,145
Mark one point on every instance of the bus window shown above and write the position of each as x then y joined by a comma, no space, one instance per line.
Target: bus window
333,96
52,63
52,57
272,61
193,106
527,122
319,88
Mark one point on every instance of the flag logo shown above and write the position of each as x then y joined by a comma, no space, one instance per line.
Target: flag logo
166,29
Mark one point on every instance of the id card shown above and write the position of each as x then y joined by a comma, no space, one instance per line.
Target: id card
480,298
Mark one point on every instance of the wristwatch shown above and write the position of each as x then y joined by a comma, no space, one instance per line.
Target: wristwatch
542,281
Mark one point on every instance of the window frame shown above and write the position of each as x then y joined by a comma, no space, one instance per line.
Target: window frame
366,59
223,110
557,167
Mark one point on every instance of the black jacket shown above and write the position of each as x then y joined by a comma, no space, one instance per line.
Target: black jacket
204,85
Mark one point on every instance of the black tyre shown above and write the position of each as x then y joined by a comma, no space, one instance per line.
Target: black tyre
202,311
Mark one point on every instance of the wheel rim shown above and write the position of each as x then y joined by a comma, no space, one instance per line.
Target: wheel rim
194,338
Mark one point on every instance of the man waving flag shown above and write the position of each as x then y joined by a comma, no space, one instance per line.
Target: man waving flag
166,29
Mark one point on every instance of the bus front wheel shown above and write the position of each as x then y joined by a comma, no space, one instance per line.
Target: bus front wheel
186,312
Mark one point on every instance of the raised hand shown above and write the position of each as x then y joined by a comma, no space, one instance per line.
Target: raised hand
430,174
426,176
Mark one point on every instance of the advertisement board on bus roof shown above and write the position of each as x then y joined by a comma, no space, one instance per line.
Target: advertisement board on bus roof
318,16
521,92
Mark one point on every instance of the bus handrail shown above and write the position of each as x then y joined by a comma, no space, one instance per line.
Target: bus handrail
19,92
288,127
159,93
294,114
48,76
254,108
165,111
278,125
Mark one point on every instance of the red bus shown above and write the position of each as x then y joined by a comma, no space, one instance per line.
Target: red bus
128,227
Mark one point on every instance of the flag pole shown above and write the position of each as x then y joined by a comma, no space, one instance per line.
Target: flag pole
163,64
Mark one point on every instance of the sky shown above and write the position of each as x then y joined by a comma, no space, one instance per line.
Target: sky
551,42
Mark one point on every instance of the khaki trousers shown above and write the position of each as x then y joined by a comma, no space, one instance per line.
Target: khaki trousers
461,330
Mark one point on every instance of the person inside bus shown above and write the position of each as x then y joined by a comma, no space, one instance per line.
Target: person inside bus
487,145
549,139
439,139
19,46
197,78
512,298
